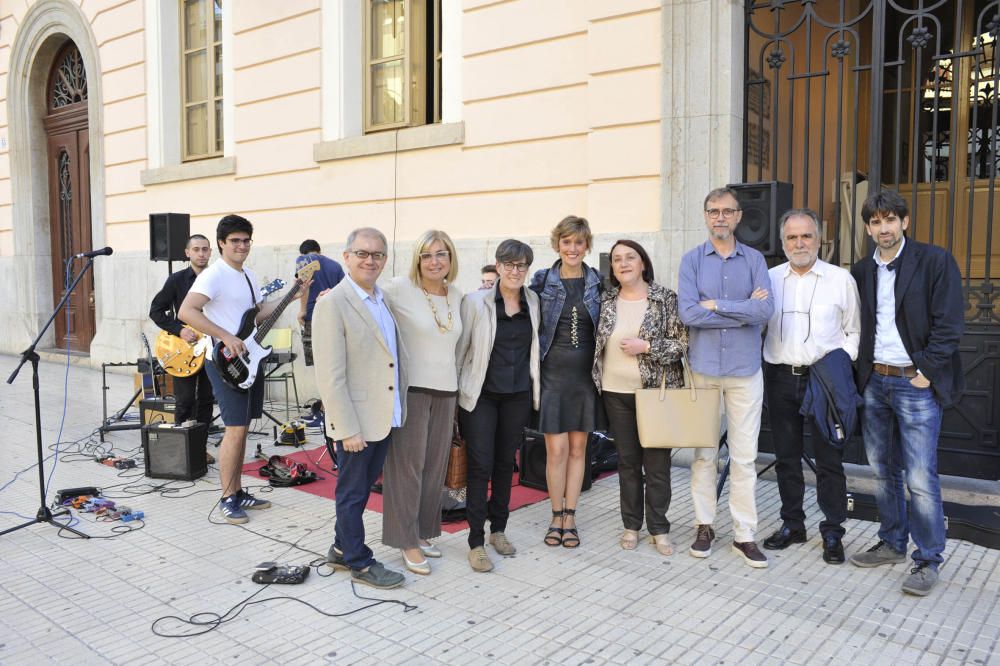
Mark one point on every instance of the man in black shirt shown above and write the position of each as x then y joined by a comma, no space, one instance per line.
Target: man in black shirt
193,394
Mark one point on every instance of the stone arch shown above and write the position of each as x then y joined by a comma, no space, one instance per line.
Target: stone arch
44,29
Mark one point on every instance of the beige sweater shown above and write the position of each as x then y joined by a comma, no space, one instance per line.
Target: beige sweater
430,353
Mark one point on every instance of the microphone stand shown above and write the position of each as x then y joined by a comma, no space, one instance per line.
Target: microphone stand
44,515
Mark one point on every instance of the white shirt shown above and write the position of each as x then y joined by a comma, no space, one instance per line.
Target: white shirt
229,294
889,348
380,313
814,314
430,353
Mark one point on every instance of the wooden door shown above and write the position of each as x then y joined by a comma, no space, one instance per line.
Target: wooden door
70,225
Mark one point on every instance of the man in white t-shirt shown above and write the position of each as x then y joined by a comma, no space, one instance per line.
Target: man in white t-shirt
215,305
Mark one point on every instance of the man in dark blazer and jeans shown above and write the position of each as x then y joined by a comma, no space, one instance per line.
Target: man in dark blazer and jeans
908,371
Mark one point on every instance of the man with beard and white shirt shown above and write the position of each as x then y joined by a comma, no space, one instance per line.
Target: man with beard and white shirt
815,313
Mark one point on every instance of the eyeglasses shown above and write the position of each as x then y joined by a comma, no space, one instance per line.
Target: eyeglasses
510,266
725,212
240,241
440,255
364,254
807,313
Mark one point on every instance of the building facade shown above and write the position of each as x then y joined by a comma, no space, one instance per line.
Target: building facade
488,119
310,117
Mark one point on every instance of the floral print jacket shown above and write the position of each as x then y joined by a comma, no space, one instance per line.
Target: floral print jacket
661,327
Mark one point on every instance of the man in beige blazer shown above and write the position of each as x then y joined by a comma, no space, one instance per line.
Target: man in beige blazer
359,372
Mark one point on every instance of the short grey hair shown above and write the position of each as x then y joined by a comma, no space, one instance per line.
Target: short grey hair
512,250
371,232
720,192
799,212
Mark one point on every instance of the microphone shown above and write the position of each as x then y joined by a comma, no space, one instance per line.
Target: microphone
93,253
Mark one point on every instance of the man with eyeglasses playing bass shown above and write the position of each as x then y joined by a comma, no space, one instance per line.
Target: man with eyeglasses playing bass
215,305
813,334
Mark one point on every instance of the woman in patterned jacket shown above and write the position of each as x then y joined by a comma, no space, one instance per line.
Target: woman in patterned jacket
640,340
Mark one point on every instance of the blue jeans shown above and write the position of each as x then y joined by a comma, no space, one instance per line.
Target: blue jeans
901,424
357,472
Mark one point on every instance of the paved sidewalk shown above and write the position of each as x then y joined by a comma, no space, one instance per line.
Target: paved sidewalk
66,600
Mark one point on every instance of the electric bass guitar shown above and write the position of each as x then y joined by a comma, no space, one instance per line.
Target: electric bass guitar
240,372
181,358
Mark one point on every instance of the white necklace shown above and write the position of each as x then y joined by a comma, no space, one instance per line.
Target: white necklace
441,327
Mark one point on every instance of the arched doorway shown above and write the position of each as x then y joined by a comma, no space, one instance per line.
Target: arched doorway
68,162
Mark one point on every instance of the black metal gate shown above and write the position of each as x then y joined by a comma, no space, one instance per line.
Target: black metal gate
846,96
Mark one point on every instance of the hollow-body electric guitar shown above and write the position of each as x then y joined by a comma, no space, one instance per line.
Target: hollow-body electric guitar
240,372
181,358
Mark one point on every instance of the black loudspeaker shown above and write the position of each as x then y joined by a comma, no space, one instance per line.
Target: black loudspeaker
168,235
605,270
762,204
532,462
175,452
153,411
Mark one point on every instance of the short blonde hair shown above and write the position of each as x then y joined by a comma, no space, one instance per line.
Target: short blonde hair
423,243
571,225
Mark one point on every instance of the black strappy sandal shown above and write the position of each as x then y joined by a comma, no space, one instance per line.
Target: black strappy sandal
554,535
571,538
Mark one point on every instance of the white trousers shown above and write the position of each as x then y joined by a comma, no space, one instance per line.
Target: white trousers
743,399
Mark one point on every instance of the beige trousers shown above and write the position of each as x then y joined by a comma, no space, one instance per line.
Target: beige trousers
743,399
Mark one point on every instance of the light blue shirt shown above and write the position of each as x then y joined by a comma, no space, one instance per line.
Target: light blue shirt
725,342
889,347
380,313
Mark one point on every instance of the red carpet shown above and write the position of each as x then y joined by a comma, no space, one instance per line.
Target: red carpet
326,482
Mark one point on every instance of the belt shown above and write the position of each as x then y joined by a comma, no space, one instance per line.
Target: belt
895,370
797,370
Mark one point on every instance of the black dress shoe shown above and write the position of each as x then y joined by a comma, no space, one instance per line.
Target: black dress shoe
784,538
833,549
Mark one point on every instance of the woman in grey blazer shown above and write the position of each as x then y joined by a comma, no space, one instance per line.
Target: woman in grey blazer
498,384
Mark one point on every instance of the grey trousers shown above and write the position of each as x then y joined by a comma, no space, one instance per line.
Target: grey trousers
415,470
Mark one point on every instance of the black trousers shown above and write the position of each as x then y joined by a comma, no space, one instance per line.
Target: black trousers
492,432
193,397
633,461
784,397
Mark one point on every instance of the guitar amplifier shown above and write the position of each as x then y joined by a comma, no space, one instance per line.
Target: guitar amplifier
164,384
153,411
175,452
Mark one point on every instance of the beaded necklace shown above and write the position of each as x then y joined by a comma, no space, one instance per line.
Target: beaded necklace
441,327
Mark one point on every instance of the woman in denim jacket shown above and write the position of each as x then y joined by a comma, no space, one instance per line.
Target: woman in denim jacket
570,408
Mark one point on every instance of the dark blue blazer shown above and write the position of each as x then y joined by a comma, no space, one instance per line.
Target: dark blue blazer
930,316
831,398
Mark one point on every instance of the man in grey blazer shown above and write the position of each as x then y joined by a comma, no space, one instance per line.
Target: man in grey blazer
358,354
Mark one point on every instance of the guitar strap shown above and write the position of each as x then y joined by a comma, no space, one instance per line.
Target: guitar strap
253,294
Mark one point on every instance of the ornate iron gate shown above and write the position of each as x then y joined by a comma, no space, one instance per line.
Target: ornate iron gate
846,96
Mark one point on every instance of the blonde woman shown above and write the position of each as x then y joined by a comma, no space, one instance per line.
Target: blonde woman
640,341
570,409
426,306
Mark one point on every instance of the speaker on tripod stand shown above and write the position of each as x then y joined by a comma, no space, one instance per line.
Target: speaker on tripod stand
168,235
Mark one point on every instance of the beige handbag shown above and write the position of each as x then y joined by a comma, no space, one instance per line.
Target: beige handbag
678,418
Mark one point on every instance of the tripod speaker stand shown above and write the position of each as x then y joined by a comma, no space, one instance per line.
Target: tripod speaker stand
724,441
44,514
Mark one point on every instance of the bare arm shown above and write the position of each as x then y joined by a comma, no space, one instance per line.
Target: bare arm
192,313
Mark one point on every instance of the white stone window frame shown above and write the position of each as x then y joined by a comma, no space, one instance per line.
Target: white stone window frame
164,108
342,94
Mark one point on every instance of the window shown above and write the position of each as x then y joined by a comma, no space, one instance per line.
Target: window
201,78
402,63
